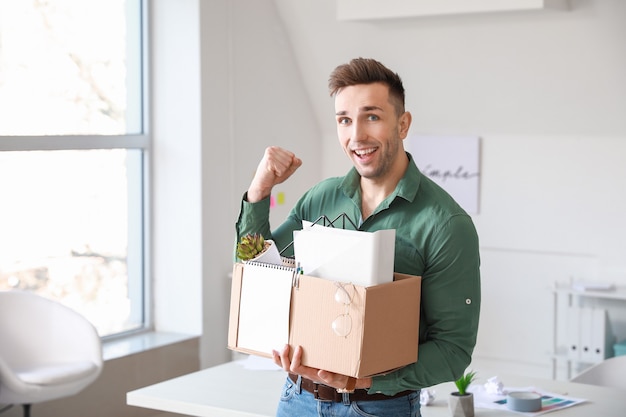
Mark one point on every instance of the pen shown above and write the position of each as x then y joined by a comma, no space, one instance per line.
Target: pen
296,276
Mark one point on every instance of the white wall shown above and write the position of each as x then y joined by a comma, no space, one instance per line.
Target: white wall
175,164
546,92
270,103
225,87
252,97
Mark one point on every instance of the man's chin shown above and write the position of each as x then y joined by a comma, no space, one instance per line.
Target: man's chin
367,172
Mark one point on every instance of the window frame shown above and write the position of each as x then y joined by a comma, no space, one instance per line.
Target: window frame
134,141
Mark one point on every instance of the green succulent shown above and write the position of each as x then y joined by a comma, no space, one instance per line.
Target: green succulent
463,382
250,246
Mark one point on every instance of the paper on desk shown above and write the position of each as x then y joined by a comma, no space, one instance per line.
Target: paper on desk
549,401
264,308
363,258
258,363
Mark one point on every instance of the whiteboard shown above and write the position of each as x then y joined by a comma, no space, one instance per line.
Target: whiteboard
453,162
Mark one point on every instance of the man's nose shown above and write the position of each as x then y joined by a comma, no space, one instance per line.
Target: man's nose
358,131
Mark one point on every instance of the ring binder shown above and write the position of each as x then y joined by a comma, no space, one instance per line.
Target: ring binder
289,264
272,266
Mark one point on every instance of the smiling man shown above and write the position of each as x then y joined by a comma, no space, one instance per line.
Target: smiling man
435,238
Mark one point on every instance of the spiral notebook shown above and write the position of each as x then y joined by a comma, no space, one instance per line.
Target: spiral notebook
264,306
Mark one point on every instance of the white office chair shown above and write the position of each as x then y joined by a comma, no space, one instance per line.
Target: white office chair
47,351
608,373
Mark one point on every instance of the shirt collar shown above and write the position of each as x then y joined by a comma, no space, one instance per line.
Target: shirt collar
406,188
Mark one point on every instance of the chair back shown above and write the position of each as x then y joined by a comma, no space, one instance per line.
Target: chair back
608,373
34,330
47,350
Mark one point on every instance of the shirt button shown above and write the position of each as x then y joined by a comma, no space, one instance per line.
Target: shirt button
468,301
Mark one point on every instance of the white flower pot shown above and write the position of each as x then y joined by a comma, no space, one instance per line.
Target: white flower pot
461,405
270,256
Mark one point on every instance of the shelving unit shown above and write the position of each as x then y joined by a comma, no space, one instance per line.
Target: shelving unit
607,306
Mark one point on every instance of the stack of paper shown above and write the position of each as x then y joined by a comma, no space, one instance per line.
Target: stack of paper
363,258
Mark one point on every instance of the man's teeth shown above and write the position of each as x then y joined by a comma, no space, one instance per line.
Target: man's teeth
362,152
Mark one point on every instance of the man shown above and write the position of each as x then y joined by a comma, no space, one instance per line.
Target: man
435,239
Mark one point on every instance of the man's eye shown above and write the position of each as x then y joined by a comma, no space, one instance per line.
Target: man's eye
343,121
372,117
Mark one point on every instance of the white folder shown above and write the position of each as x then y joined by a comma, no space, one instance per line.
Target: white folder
363,258
586,335
573,334
600,336
593,334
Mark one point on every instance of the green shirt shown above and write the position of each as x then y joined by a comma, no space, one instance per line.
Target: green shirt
435,239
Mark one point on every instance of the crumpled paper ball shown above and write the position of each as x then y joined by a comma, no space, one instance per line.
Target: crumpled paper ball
494,386
427,396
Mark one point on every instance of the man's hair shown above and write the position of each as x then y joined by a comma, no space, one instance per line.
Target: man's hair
367,71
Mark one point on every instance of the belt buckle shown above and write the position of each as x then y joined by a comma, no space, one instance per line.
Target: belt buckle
316,393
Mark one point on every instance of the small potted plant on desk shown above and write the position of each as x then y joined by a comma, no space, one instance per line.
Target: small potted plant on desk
461,402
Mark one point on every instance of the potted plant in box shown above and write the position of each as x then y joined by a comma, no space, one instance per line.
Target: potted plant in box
461,402
253,247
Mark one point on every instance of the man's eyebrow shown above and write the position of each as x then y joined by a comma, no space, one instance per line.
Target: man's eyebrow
362,109
370,108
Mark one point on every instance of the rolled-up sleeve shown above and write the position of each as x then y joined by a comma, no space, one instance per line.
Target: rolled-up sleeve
450,309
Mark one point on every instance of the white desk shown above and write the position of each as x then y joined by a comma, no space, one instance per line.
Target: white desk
230,390
602,401
227,390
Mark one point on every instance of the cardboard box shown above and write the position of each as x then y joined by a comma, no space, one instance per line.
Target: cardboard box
384,320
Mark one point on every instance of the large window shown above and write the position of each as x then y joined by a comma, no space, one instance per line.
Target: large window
72,156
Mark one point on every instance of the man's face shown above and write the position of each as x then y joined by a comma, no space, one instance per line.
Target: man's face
369,129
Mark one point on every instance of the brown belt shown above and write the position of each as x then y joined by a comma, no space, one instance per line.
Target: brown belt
325,393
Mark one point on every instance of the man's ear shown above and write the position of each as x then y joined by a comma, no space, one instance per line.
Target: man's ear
404,123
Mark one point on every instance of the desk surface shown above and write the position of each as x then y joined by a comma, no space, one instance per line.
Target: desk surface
231,390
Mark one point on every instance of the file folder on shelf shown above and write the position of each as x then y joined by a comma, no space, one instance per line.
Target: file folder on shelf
588,335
